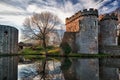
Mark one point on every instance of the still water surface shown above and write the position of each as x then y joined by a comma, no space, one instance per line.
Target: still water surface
61,68
70,69
30,71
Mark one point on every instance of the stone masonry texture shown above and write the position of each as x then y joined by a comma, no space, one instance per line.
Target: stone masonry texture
8,45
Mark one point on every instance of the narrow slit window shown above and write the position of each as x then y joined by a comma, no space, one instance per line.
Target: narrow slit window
95,23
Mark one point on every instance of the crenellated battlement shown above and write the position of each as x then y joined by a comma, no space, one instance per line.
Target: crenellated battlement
112,16
91,11
73,17
85,12
73,22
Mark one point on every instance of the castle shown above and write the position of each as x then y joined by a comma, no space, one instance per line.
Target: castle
8,45
90,33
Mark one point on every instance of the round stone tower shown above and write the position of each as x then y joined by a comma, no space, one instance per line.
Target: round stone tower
108,30
87,42
87,38
108,38
8,45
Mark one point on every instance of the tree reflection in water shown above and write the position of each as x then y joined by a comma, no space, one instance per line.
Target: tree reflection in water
51,69
65,71
37,71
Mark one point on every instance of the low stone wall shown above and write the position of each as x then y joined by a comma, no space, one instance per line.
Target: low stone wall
113,50
109,68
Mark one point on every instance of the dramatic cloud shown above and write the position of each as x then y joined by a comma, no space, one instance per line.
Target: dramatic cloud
62,8
13,12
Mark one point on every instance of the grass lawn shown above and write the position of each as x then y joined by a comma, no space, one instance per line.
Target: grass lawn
38,50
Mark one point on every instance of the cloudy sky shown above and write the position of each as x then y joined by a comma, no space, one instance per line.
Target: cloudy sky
13,12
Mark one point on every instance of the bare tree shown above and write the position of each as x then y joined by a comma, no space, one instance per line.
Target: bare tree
38,26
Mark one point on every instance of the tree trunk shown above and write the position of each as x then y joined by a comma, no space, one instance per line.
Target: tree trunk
44,45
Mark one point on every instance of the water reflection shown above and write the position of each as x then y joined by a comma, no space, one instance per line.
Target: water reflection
34,71
27,71
69,69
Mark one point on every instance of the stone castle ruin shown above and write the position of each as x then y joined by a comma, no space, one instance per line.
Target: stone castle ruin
89,33
8,45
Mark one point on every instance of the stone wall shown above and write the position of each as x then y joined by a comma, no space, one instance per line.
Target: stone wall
72,23
109,68
70,38
112,50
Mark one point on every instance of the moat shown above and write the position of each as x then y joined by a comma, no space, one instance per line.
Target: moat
59,69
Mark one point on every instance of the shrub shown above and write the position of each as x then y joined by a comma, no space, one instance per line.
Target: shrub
50,47
66,48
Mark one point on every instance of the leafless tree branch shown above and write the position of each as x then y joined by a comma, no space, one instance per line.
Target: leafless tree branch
38,26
